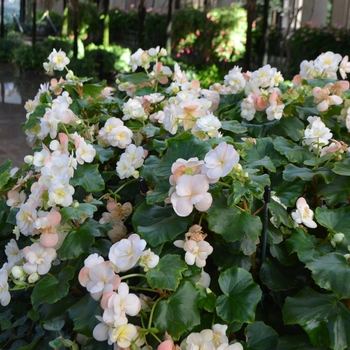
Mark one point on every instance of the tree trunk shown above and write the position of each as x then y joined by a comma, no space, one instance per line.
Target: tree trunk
142,18
22,11
265,32
105,40
251,9
64,31
168,31
2,25
34,23
75,8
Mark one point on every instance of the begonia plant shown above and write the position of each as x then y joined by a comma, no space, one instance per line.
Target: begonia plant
159,215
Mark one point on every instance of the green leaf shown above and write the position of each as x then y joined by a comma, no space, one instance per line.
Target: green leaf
296,342
330,271
289,127
51,289
83,315
147,90
276,276
183,146
240,296
159,193
134,78
179,312
293,172
336,220
5,172
233,126
54,325
306,245
93,90
232,223
293,152
158,224
83,210
167,274
103,154
260,336
147,170
335,192
324,318
88,176
342,168
280,214
78,242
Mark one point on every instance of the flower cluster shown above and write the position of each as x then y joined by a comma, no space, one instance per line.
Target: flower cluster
143,213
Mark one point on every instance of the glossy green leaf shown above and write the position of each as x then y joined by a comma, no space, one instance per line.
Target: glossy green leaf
159,193
78,242
179,312
147,170
330,271
167,274
103,154
232,223
288,192
233,126
335,192
294,153
83,314
260,336
276,276
134,78
88,176
342,168
306,245
293,172
240,296
51,289
280,215
93,90
323,317
78,212
336,220
296,342
289,127
159,224
5,172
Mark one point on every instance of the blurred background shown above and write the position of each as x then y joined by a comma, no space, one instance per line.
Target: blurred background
206,37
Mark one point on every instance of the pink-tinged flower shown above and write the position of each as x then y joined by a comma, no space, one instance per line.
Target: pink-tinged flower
5,296
220,161
46,225
122,303
26,217
38,259
324,99
181,167
125,254
84,151
15,198
97,276
61,146
344,67
303,214
191,191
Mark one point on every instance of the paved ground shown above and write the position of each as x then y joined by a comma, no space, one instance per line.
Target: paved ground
15,90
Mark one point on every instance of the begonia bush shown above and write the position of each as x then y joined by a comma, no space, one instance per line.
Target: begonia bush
160,215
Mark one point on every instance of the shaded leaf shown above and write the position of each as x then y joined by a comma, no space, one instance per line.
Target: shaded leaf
179,313
78,212
324,318
293,172
294,153
260,336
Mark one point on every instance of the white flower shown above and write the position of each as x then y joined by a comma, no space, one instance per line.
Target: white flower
148,260
14,254
220,161
205,279
25,218
226,346
235,79
337,238
5,296
123,333
136,59
133,110
317,134
247,108
303,214
125,254
61,194
197,252
85,152
57,60
328,61
38,259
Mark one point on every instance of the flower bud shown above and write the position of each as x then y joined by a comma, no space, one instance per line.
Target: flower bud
34,277
162,52
28,159
18,273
